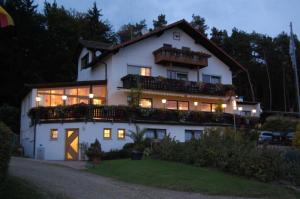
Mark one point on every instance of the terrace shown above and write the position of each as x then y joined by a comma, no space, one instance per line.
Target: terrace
83,112
181,86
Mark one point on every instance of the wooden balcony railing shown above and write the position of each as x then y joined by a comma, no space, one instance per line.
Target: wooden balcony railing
180,57
165,84
83,112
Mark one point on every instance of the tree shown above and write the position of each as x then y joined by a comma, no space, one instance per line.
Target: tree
199,24
130,31
160,22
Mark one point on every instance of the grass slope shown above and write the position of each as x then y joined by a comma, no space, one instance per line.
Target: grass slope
183,177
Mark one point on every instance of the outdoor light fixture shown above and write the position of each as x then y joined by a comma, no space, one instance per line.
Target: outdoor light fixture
253,111
195,103
240,108
38,99
91,95
163,101
64,97
224,105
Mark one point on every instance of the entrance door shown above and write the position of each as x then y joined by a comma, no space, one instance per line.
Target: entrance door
72,138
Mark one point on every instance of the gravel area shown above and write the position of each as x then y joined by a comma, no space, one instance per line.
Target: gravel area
77,184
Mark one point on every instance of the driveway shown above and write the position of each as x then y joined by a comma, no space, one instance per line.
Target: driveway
76,184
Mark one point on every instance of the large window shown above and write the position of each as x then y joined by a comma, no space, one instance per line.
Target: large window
139,70
177,75
155,133
146,103
71,95
177,105
208,107
213,79
193,134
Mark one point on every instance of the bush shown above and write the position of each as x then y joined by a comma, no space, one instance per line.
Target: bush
94,152
115,154
5,151
279,123
296,139
230,151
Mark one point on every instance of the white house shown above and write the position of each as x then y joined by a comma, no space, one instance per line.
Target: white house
180,80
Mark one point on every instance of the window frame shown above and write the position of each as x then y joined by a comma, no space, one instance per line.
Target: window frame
176,74
110,134
86,58
51,135
193,132
121,138
210,78
156,133
177,104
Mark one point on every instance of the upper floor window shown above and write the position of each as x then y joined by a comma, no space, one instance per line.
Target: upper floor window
177,75
177,105
85,60
139,70
213,79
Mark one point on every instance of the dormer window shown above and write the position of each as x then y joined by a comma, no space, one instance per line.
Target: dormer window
85,60
213,79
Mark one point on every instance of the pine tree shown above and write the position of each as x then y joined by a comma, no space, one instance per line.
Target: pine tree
199,24
160,22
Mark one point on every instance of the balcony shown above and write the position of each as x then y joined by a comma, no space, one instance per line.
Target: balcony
179,57
85,113
165,84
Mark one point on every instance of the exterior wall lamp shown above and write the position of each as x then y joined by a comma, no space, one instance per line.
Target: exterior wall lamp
195,103
38,99
91,95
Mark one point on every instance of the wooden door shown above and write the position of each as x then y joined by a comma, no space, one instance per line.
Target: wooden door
72,146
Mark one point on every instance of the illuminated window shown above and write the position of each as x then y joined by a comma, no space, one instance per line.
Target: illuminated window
208,107
146,103
172,104
107,133
183,105
53,134
121,133
139,70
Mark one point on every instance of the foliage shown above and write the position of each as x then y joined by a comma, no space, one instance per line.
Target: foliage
10,115
94,151
138,137
115,154
130,31
160,22
277,123
198,23
296,138
5,151
230,151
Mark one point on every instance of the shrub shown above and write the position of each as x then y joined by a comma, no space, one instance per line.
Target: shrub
5,150
94,151
115,154
296,139
279,123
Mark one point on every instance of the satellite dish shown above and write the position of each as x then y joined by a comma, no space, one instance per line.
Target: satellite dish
98,53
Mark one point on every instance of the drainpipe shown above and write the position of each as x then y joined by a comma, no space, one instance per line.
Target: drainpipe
34,140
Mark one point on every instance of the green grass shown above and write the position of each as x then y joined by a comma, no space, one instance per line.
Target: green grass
183,177
16,188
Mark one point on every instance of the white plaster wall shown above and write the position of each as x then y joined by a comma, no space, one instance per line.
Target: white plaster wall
247,107
27,131
141,54
96,73
88,132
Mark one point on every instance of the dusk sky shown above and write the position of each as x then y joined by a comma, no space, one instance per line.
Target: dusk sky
263,16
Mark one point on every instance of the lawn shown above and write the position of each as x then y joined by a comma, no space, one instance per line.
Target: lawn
16,188
183,177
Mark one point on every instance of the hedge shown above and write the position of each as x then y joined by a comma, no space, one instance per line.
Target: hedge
5,149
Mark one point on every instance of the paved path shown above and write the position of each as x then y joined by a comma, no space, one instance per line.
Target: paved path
76,184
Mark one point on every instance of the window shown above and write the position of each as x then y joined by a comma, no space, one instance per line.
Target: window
155,133
85,60
177,75
107,133
193,134
121,134
211,79
177,105
139,70
208,107
176,36
146,103
246,113
53,134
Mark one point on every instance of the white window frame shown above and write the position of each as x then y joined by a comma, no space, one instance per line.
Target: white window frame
139,66
210,76
177,71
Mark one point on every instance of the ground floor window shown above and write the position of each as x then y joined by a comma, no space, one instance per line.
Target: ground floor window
193,134
107,133
53,134
121,134
208,107
155,133
177,105
146,103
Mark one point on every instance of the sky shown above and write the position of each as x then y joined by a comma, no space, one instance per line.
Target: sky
269,17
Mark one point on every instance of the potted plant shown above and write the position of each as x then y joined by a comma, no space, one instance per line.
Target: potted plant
138,137
94,152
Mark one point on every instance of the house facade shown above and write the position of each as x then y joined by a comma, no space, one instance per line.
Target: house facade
169,81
